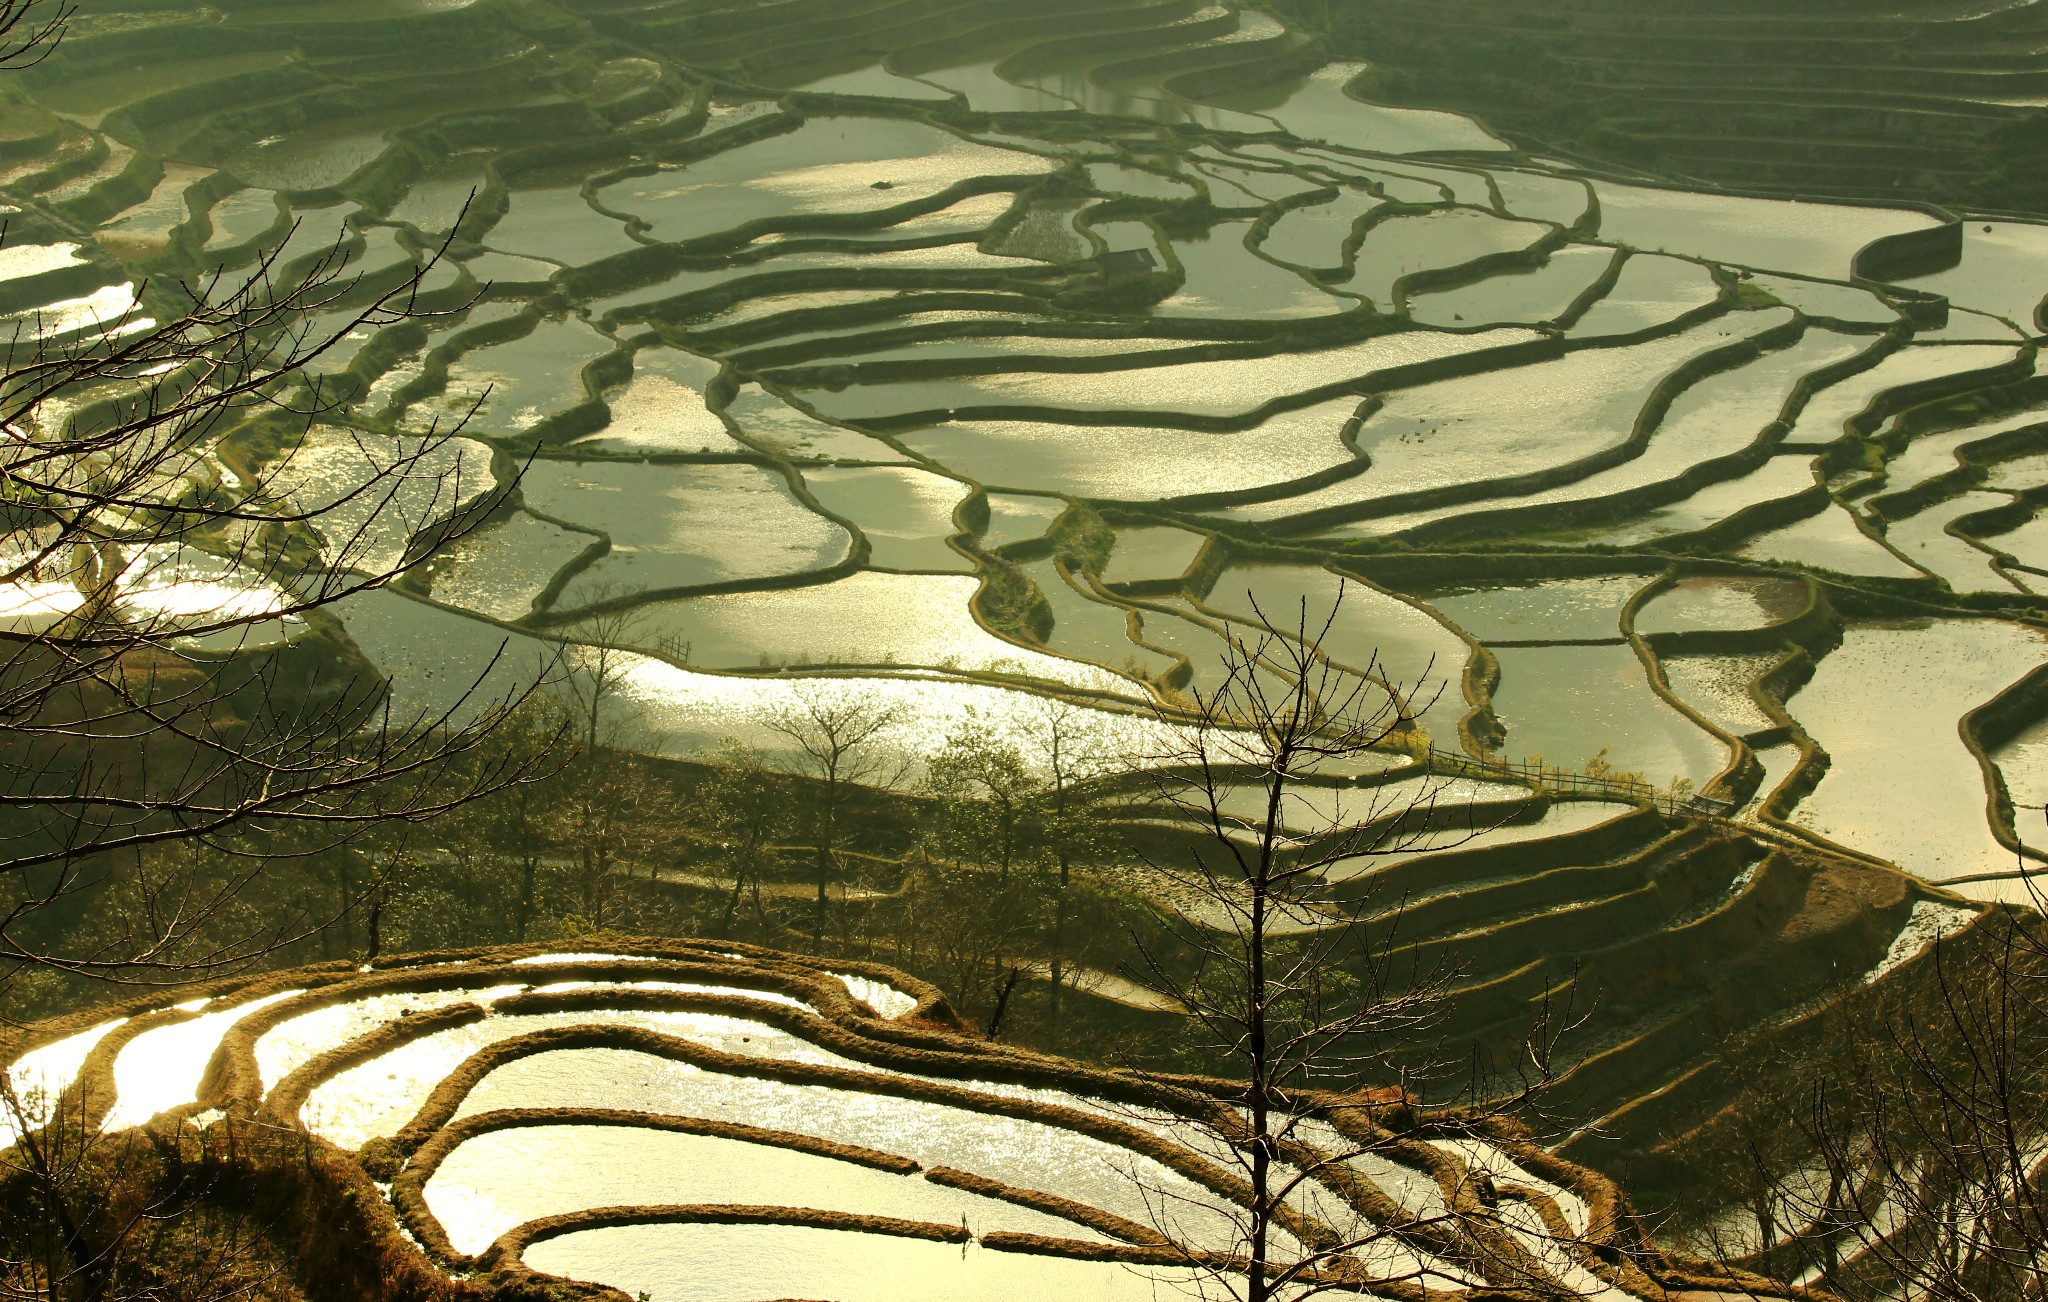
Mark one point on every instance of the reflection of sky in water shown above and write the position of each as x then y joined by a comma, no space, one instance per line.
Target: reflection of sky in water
518,382
1814,239
1152,462
1923,539
377,1097
1358,626
678,526
673,526
161,1068
375,492
1497,424
2004,271
1226,279
662,408
1151,554
1724,603
1718,417
34,606
1901,784
1566,704
17,260
293,1043
769,422
694,711
868,81
1557,609
1778,477
1313,236
1403,245
1821,420
710,1263
906,514
499,571
1232,386
98,312
41,1074
163,590
2024,762
1829,540
1083,625
866,618
497,1181
885,999
1650,291
1317,108
828,164
1030,1154
1718,687
1896,786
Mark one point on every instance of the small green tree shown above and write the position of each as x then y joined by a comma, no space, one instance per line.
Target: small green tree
987,800
1028,813
743,809
1080,779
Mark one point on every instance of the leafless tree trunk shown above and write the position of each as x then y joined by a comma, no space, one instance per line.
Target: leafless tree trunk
1281,978
605,639
1077,778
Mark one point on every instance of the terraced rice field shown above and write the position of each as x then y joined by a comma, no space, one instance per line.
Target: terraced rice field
806,357
686,1122
1929,100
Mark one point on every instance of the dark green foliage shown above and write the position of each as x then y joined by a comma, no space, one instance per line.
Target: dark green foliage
1009,603
1082,540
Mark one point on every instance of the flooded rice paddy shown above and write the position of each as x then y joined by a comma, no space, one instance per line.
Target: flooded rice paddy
1904,783
788,375
1024,367
704,1140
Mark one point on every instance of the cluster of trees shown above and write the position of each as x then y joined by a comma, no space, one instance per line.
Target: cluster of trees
987,864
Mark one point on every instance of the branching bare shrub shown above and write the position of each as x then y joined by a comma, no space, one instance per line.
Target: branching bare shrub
177,515
1923,1170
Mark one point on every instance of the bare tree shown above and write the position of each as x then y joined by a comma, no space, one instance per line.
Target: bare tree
603,808
836,747
168,671
605,638
953,921
1285,984
1924,1171
513,825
